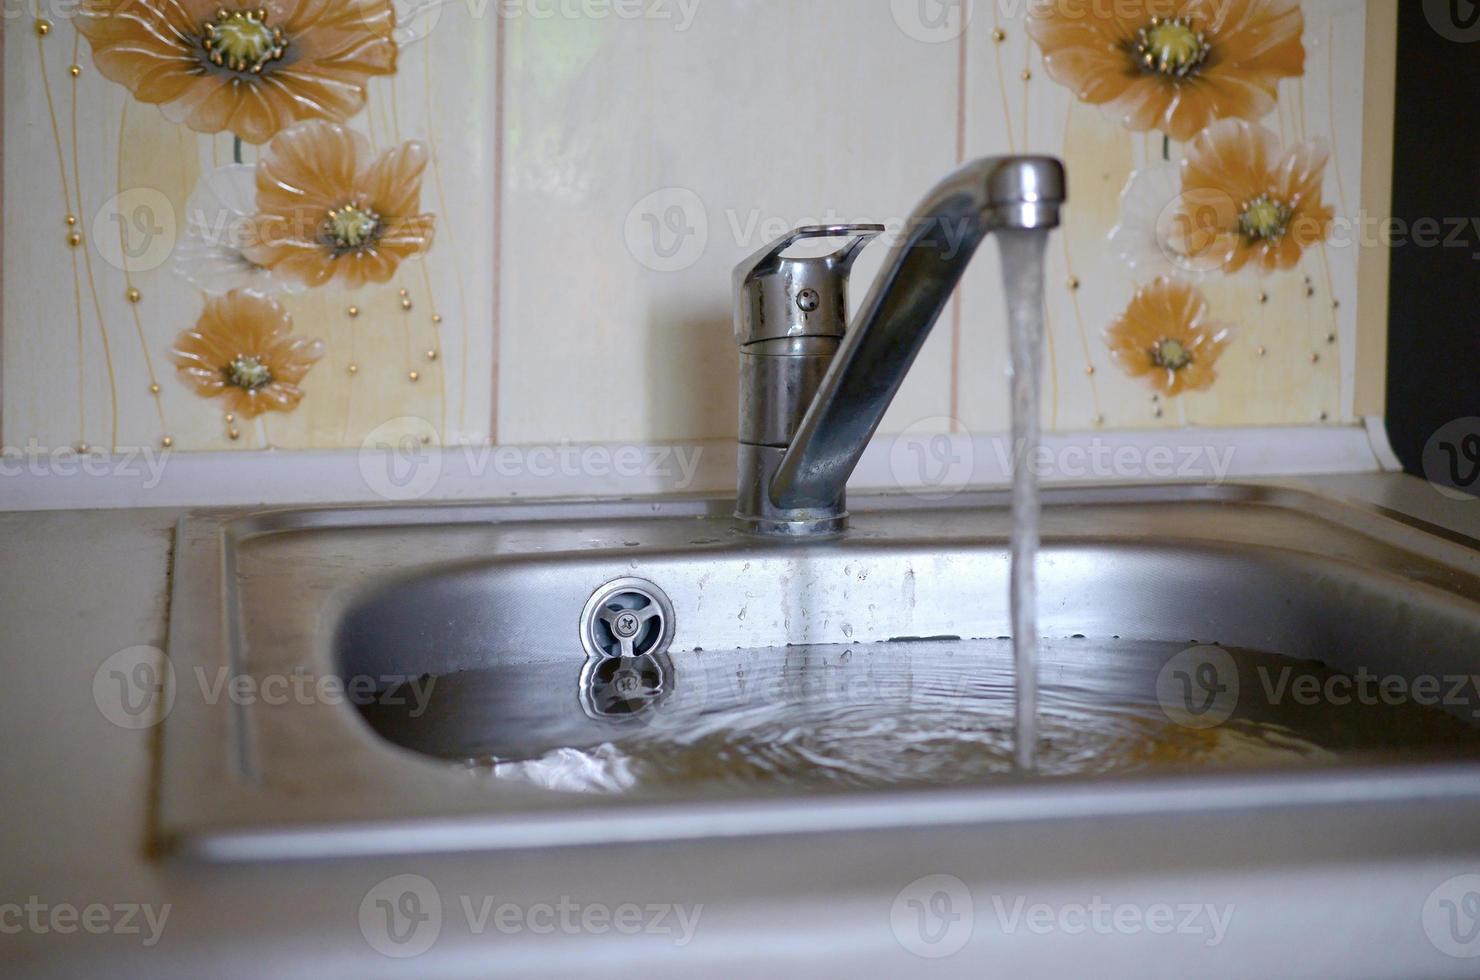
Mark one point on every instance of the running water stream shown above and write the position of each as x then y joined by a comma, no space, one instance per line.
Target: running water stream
1022,277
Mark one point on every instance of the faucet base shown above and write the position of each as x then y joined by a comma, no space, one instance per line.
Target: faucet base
756,513
818,528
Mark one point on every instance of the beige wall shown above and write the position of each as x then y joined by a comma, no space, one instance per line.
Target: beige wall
594,182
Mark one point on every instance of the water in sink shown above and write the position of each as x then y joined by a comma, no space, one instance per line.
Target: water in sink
901,713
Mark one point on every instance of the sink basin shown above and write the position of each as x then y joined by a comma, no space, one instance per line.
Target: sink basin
500,676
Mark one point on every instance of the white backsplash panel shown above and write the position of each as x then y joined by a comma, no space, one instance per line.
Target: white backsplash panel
517,221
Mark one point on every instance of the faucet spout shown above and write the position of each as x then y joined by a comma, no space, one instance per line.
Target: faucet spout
1020,193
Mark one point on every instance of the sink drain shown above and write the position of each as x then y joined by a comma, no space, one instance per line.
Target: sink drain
630,617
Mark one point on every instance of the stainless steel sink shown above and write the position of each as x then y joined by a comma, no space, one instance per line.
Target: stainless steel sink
535,597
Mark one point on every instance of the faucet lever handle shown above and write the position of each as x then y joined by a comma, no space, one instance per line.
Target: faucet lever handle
777,297
767,258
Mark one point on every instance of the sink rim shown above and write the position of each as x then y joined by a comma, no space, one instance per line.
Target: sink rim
1368,517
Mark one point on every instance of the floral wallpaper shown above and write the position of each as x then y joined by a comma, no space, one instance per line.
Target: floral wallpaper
1176,66
252,195
251,70
1202,72
290,223
315,208
243,352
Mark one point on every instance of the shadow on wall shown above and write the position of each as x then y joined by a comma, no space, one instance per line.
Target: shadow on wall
698,401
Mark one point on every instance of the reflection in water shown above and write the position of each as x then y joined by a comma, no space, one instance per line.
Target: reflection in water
621,687
918,713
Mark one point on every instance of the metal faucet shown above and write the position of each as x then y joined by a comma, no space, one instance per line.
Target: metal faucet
812,392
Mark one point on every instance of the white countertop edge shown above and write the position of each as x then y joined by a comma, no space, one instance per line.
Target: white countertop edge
378,473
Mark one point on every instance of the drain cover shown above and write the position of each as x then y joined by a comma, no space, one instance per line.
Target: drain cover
630,617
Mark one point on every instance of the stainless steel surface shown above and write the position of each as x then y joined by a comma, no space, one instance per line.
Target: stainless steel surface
790,315
405,592
799,491
780,297
80,808
628,617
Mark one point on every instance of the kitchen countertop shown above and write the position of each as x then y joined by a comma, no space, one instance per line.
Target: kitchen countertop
1330,894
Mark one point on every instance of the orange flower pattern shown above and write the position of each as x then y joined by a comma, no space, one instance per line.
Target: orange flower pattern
242,350
326,212
1172,65
250,68
1165,337
1244,203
